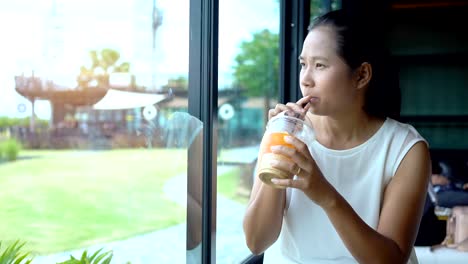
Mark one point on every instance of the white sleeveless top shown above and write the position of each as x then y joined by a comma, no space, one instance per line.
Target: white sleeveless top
360,175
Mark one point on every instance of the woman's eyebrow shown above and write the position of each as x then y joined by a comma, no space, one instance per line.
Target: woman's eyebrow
313,58
319,58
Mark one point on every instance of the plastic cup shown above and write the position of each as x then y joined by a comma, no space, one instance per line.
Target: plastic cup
277,128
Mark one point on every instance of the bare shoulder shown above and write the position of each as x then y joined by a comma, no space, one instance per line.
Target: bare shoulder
413,172
404,197
415,164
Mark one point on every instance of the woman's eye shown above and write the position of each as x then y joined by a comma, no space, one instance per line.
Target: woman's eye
302,64
319,65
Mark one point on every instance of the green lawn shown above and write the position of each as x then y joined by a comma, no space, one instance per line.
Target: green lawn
60,200
228,186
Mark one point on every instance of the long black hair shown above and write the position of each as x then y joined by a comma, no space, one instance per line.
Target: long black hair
360,39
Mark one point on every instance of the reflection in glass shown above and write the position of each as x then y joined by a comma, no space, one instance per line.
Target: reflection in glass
248,88
94,129
319,7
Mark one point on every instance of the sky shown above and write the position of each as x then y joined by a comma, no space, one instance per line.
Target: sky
55,46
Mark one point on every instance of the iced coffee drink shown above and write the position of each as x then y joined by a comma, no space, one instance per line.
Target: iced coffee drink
279,127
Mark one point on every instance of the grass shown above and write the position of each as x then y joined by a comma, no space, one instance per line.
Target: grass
61,200
228,186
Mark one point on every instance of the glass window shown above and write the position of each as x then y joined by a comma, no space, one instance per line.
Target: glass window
248,88
319,7
94,129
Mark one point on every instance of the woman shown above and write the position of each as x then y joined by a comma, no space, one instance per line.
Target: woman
359,188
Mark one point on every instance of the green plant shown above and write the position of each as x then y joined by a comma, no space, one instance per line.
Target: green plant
256,67
103,63
96,258
12,254
10,149
6,122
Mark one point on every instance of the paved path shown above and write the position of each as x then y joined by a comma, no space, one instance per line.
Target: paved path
168,245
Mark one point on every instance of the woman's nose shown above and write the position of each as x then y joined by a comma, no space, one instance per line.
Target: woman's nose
306,79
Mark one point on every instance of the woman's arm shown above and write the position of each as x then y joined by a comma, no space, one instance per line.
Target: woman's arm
399,218
401,211
264,216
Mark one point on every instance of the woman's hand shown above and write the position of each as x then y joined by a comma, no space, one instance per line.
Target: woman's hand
308,178
300,107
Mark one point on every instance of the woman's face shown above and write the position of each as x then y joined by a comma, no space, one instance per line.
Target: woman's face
325,76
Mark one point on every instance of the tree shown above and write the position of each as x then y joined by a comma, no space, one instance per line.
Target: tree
320,7
103,63
257,66
177,83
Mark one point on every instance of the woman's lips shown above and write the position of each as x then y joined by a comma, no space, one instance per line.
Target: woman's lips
314,99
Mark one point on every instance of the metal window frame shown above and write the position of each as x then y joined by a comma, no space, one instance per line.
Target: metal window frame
294,20
203,98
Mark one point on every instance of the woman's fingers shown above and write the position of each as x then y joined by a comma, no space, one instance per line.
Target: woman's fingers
303,101
292,183
296,161
295,107
286,165
299,146
291,153
278,109
305,110
300,107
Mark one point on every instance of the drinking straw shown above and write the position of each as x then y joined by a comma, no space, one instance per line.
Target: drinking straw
301,116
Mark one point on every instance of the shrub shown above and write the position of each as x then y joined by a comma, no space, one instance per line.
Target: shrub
10,149
12,254
96,258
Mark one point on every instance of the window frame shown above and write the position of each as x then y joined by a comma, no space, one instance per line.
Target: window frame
203,97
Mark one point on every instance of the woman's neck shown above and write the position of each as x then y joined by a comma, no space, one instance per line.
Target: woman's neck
346,132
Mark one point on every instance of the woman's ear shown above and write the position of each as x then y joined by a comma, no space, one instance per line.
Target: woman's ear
363,75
